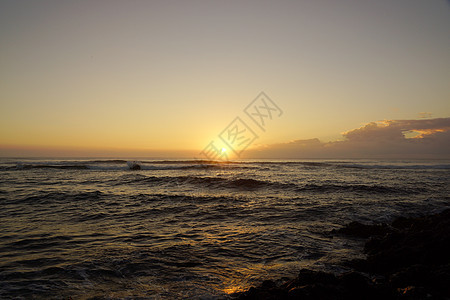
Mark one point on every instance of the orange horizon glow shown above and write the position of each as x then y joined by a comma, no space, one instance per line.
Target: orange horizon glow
426,138
155,77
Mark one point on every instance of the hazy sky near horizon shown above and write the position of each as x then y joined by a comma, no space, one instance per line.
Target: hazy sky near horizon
172,74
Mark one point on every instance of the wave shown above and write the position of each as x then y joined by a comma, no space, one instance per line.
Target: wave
120,164
254,184
48,197
117,165
395,166
218,182
358,188
60,167
361,165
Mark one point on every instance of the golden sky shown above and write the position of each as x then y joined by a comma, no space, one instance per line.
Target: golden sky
143,77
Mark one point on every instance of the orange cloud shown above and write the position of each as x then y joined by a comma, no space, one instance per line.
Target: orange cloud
383,139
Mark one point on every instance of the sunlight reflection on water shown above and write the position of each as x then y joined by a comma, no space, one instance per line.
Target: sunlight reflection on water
188,231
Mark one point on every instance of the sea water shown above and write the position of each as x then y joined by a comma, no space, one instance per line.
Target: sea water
192,229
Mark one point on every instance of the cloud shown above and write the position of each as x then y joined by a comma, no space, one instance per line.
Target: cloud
424,138
425,115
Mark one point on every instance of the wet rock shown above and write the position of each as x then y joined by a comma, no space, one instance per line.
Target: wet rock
407,260
424,241
310,277
135,167
413,293
296,293
315,285
358,229
264,292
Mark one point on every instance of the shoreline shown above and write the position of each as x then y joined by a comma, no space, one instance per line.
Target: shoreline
406,259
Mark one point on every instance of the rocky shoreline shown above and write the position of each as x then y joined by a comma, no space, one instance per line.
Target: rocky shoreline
407,259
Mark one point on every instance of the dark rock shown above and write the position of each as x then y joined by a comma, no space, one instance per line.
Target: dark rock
402,223
135,167
358,229
413,293
266,291
409,260
290,284
425,241
310,277
413,275
354,279
296,293
268,284
316,291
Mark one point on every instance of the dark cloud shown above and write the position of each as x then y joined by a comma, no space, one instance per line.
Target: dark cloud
374,132
384,139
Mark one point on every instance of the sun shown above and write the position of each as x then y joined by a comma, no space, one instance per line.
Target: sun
224,150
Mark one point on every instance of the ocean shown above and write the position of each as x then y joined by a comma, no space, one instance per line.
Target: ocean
189,229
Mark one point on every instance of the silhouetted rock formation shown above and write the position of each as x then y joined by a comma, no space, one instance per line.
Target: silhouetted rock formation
362,230
409,259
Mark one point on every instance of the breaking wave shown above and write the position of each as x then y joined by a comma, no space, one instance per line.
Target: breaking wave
118,164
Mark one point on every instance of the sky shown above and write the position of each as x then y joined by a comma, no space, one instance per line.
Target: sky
168,78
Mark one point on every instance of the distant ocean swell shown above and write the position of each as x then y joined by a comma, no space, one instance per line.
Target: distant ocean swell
202,164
